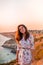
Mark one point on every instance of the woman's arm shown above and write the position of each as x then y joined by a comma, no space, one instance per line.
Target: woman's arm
32,47
33,54
17,51
17,55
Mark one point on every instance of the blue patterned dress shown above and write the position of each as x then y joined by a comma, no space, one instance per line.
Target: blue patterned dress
25,56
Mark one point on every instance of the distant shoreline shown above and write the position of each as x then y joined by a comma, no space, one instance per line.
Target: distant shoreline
15,31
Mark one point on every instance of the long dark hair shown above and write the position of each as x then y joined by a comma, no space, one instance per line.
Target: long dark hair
19,35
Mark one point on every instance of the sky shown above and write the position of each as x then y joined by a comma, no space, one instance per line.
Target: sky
15,12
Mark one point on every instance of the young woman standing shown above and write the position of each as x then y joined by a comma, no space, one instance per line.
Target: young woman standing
25,45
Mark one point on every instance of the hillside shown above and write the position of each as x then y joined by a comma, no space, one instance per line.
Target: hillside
38,54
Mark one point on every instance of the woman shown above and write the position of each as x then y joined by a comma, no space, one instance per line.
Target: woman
25,45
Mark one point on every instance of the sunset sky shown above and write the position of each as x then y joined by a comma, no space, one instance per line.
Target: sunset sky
15,12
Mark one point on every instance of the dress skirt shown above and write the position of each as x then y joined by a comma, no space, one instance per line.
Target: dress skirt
24,56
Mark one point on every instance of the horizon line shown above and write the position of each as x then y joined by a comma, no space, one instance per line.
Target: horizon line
15,31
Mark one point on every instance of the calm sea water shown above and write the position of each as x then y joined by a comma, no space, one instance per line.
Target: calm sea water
6,55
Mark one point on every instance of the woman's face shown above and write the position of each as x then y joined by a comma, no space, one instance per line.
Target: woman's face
22,29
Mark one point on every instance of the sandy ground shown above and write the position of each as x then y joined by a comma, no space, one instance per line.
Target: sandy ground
39,62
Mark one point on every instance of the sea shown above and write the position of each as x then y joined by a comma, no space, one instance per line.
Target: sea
6,55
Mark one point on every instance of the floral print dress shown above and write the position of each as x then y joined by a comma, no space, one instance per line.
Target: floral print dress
25,56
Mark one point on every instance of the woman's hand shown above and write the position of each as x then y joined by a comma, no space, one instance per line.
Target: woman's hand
33,51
